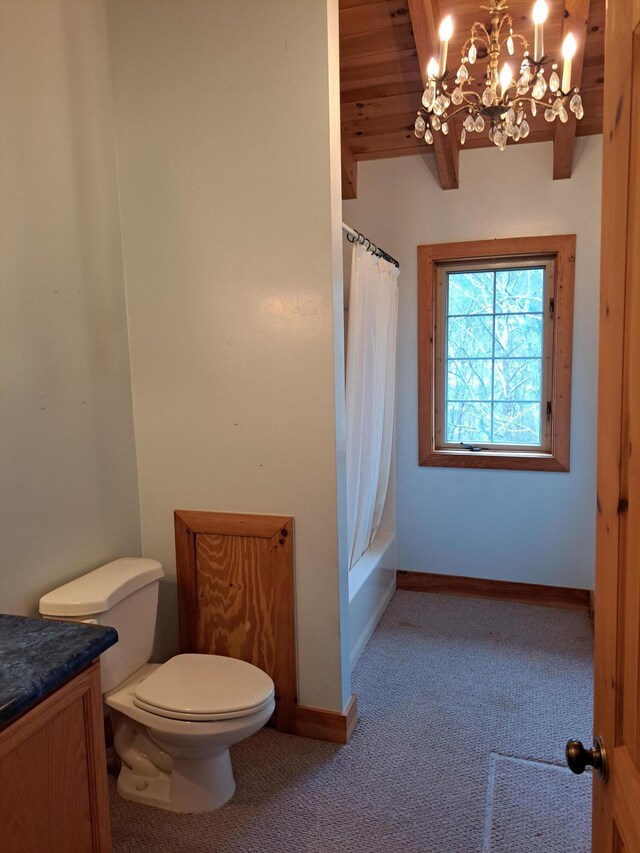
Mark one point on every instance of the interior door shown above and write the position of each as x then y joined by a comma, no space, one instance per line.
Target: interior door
616,804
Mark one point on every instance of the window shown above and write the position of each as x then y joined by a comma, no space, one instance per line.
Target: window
495,353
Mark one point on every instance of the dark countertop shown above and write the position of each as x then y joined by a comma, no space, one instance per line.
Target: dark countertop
38,655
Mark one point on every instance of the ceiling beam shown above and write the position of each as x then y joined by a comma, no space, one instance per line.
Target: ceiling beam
575,21
424,20
349,171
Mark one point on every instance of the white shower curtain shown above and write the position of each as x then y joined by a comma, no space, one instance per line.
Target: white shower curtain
371,363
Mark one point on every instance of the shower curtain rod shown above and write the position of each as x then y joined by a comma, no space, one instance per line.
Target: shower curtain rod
354,236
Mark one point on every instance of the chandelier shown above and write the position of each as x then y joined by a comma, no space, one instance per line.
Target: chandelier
503,105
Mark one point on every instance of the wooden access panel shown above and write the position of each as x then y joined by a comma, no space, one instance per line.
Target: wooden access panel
236,594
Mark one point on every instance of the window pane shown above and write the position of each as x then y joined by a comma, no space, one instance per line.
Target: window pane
517,379
469,379
519,290
468,422
470,293
516,423
470,337
519,335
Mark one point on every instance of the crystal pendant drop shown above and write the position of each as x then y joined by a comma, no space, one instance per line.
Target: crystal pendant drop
444,127
575,103
539,88
438,107
427,97
534,109
511,116
419,127
428,137
516,133
510,47
479,124
487,97
456,96
557,106
435,122
500,138
463,136
469,123
524,129
520,116
473,54
580,112
549,114
462,74
554,82
563,115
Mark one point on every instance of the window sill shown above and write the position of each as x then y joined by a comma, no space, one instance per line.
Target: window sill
487,459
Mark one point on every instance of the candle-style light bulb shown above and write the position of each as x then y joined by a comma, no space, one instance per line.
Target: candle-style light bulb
569,48
505,77
445,33
540,12
433,68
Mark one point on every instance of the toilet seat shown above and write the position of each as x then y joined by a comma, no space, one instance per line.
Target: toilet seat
203,687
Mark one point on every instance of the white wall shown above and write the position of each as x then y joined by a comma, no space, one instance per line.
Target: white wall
228,145
535,527
68,485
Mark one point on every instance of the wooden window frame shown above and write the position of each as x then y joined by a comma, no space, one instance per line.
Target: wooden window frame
562,249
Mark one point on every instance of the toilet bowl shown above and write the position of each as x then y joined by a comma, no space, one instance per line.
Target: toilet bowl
174,722
179,760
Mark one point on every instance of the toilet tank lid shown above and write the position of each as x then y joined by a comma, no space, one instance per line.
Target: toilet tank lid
102,588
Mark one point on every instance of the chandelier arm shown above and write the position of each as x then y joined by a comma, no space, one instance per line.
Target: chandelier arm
525,43
484,30
467,95
454,115
503,20
476,39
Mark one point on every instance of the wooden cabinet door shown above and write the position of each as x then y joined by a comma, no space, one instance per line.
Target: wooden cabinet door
616,824
53,779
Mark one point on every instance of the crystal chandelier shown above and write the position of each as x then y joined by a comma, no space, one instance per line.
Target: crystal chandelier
503,105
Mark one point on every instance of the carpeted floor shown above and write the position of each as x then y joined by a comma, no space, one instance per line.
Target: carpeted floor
465,706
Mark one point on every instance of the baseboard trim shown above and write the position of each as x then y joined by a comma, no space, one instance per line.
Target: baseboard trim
332,726
524,593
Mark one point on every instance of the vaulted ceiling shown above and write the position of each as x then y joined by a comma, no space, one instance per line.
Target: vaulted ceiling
384,49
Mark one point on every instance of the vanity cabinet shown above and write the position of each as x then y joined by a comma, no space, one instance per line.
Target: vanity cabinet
53,784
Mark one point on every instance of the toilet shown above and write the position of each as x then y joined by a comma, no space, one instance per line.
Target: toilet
173,723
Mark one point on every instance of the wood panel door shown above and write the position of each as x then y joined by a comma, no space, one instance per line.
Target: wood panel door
616,824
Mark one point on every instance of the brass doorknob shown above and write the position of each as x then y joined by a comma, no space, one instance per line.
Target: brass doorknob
578,758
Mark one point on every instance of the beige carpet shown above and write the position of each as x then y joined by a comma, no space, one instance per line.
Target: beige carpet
465,706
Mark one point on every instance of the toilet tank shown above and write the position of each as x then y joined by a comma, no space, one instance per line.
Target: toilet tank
122,594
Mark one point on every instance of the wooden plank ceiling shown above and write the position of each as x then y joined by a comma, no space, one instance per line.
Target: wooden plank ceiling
382,48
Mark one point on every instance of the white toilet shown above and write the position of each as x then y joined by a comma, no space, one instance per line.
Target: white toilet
174,722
